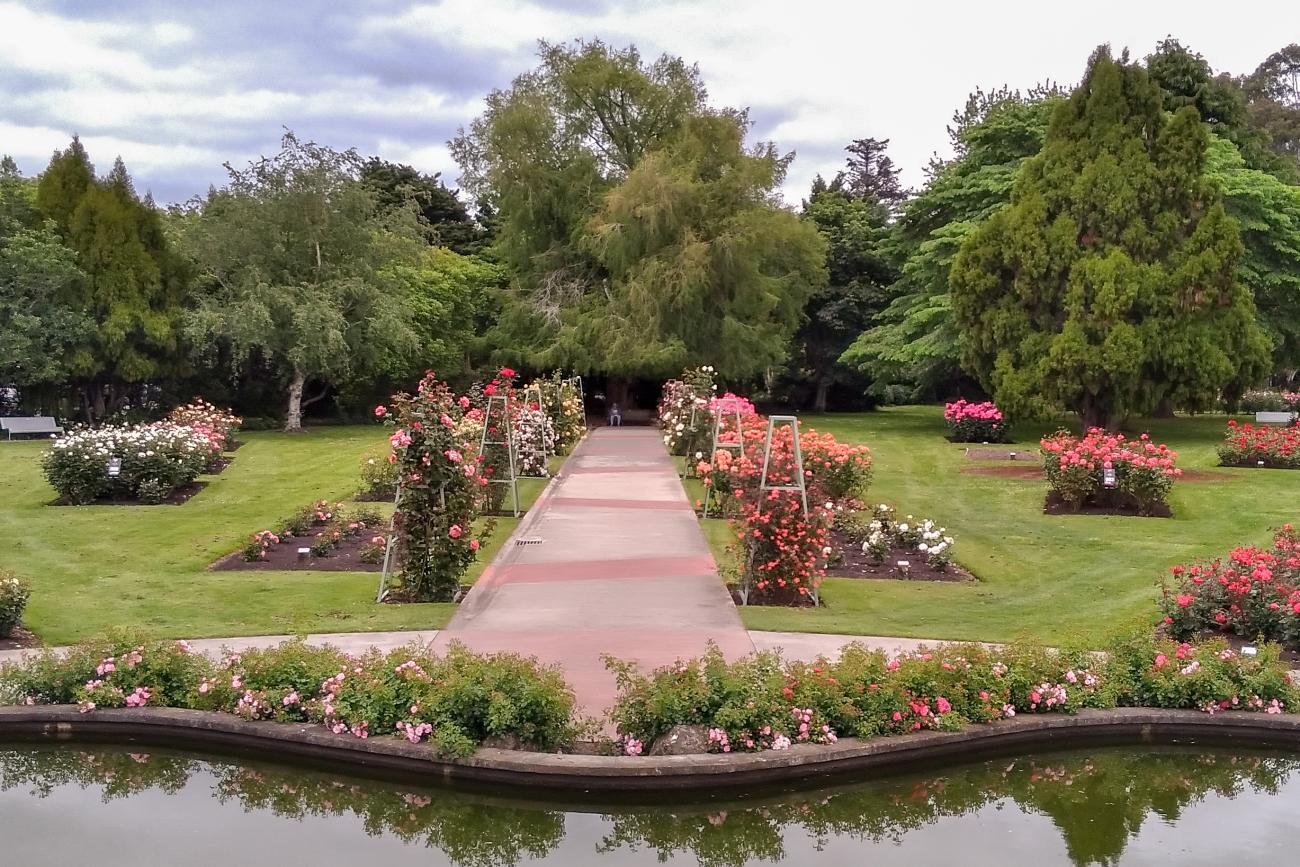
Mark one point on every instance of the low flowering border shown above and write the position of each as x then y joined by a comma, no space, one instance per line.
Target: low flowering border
1248,445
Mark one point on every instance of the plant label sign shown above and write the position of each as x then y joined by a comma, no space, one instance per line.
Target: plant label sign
1108,478
114,467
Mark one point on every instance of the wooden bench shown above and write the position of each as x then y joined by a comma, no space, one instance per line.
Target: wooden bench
1274,417
37,425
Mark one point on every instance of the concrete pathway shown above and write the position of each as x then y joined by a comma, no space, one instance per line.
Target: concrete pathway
610,560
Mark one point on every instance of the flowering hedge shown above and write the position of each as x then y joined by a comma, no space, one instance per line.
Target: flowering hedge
14,594
1253,593
763,702
1270,400
1247,445
563,404
155,460
219,425
975,422
454,702
1075,468
443,485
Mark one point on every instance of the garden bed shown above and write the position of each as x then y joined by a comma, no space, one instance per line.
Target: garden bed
983,454
218,466
854,563
179,496
1266,464
374,497
398,596
1111,503
346,557
20,639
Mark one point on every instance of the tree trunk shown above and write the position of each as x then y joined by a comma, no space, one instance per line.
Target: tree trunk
97,409
293,418
1165,409
1094,414
823,390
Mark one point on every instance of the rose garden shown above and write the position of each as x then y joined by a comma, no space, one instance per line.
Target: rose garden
706,499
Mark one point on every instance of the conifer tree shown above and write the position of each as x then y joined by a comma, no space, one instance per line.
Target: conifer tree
1109,286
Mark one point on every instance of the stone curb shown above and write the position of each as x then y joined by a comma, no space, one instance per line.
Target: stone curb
392,758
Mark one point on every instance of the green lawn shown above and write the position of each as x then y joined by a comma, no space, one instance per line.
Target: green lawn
1041,576
145,567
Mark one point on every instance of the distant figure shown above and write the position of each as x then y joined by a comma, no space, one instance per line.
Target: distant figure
615,416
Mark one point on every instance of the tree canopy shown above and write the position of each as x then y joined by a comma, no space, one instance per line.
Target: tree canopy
1109,285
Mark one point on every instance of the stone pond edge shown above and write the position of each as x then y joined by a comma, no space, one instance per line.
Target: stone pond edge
391,758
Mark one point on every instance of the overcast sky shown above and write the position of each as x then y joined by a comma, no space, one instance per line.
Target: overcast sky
179,88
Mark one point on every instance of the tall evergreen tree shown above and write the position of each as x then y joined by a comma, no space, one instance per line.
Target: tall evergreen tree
1110,284
448,218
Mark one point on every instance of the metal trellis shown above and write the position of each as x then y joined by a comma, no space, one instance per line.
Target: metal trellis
507,429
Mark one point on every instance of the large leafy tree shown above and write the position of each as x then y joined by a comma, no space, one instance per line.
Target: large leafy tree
1109,286
292,254
39,326
912,349
450,222
133,283
1273,93
640,231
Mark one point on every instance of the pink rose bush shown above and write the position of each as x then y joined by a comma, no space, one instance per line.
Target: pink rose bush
1246,445
406,693
220,425
1076,469
765,703
696,389
975,422
1253,593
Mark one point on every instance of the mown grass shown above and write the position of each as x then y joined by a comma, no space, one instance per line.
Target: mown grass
1042,576
93,568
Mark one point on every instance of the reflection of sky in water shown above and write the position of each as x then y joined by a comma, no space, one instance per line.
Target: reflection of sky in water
191,827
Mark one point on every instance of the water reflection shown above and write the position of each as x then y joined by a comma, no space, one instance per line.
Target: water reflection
1114,806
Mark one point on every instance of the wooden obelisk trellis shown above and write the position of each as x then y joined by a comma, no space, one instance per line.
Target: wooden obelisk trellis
724,408
796,458
498,407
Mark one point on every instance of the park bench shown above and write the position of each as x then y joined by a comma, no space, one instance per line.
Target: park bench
37,425
1274,417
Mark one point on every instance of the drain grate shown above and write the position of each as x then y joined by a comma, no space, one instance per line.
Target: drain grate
528,541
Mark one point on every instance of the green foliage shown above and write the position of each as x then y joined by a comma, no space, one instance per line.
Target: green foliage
449,222
292,256
913,347
1109,286
640,232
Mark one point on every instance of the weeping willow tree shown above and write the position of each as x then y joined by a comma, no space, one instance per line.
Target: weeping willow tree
642,234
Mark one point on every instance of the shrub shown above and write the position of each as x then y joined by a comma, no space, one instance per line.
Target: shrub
536,441
1247,445
1075,468
975,422
1269,400
455,702
14,594
154,459
694,391
219,426
762,702
924,536
1253,593
563,405
379,475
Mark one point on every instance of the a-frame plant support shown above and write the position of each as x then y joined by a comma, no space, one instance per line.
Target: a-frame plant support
390,541
726,408
533,396
498,407
796,460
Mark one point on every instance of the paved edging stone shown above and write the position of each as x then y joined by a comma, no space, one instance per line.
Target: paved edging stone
548,772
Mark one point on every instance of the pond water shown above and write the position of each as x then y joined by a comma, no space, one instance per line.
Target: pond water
104,806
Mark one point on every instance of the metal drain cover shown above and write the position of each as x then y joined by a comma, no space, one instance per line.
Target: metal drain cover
528,541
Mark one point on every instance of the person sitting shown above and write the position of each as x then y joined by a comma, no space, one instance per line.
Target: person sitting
615,416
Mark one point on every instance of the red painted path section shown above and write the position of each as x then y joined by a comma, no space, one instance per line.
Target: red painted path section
615,563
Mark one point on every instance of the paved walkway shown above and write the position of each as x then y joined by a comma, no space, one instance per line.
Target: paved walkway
610,560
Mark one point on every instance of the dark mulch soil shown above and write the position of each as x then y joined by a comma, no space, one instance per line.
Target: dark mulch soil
855,564
1004,454
19,639
784,602
284,558
1268,465
235,446
372,497
1113,503
218,467
177,497
399,597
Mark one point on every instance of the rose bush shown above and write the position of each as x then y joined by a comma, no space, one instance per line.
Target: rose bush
695,390
563,404
1269,400
220,425
765,703
14,594
1245,445
975,422
536,440
443,482
378,476
1253,592
1076,467
885,534
155,460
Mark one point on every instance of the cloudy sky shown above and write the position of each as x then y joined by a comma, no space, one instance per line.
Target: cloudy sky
179,88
